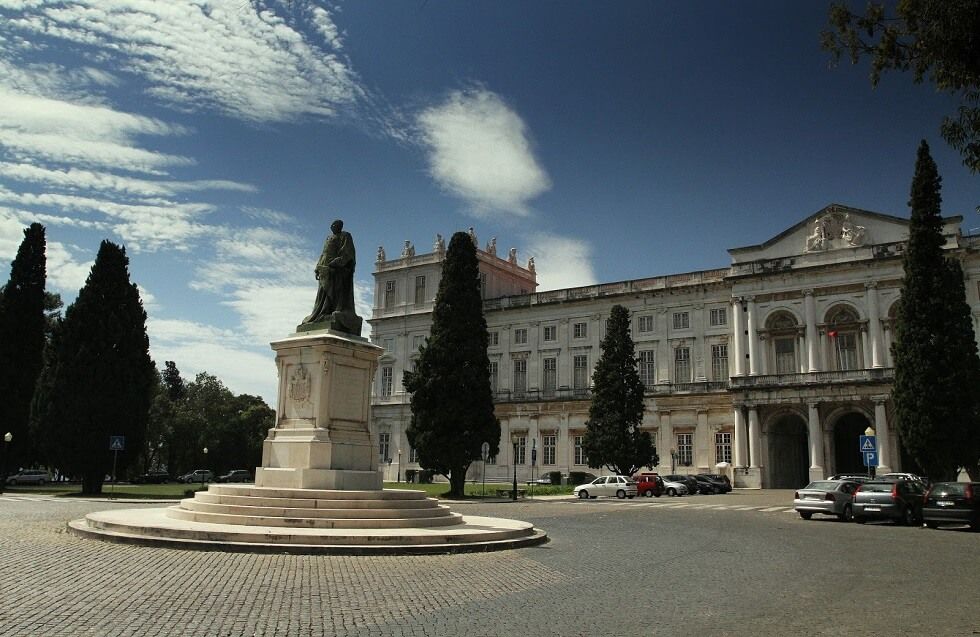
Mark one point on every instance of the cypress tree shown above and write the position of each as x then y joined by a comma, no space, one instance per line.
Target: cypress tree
452,405
22,336
612,434
98,379
937,371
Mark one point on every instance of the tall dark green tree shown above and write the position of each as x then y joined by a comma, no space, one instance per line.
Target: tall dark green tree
613,437
937,370
22,337
452,405
98,379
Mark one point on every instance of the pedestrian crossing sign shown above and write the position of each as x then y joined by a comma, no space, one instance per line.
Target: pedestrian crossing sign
117,443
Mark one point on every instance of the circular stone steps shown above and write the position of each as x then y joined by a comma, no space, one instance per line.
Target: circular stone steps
249,518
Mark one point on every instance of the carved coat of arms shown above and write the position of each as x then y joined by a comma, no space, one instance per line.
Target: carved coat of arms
299,385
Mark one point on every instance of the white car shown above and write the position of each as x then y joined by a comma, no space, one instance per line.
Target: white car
619,486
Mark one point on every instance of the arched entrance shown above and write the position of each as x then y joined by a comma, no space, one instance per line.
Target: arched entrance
789,458
847,455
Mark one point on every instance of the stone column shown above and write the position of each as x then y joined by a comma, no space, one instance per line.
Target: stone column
874,324
740,446
738,326
882,434
812,338
754,438
702,443
815,436
753,338
666,435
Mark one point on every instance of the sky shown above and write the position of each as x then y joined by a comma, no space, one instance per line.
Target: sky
216,141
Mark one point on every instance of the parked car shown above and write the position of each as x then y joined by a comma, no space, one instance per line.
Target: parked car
708,487
952,503
198,475
29,476
829,497
721,480
649,484
853,477
674,488
152,477
899,500
689,481
236,475
905,476
619,486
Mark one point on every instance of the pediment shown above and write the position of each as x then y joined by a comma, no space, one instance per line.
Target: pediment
833,228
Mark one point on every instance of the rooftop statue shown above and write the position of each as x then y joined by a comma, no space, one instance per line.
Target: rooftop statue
334,306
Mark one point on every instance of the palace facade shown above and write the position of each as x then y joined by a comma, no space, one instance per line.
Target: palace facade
774,364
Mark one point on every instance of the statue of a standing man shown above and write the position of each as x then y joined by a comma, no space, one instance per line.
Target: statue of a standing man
335,273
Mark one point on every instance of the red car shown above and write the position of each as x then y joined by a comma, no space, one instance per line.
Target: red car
649,484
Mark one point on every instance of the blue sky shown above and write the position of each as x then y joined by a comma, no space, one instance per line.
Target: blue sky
216,140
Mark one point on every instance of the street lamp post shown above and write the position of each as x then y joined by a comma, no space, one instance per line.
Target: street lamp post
204,473
514,438
398,478
7,437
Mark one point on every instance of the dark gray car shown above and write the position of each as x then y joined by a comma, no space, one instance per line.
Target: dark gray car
898,500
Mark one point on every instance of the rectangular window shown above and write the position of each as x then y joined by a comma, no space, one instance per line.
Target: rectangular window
549,379
418,342
648,367
785,349
846,345
384,446
521,450
388,344
493,339
413,454
682,365
723,447
420,290
390,294
580,330
579,450
483,285
493,376
550,444
551,332
682,320
520,336
685,449
718,317
386,381
719,362
520,377
645,324
581,368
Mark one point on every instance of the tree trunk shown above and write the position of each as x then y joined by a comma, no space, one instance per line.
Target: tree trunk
457,482
92,484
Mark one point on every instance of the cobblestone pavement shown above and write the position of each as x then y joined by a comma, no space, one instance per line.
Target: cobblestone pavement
612,568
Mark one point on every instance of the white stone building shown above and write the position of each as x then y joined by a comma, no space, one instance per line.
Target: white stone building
775,364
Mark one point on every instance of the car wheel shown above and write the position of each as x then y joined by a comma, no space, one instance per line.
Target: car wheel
648,493
847,515
932,525
671,491
806,515
12,483
583,495
621,494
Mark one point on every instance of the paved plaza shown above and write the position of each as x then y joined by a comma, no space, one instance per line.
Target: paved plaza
739,564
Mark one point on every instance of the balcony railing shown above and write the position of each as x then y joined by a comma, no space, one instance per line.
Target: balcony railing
850,376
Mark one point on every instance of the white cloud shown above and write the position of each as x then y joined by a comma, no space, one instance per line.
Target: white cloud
479,150
66,273
234,56
561,262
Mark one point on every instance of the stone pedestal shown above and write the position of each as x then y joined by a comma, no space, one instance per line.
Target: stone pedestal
321,439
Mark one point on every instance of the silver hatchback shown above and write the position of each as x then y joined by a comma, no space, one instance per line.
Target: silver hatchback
619,486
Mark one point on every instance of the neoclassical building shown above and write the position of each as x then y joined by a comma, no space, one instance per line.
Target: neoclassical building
774,364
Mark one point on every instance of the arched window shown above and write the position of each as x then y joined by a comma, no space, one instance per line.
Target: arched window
783,331
843,330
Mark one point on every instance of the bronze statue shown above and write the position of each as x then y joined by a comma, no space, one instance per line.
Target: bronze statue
334,306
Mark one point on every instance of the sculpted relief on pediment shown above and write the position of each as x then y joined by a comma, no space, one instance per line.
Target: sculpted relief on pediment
833,230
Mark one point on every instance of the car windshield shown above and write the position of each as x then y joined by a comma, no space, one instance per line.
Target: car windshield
949,488
822,485
877,487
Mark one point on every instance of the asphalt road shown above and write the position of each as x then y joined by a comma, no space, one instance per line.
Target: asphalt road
706,565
